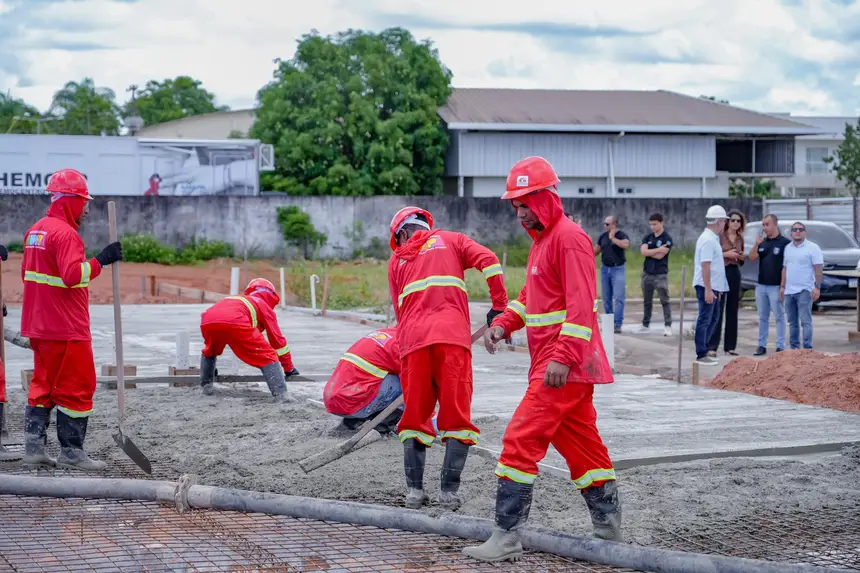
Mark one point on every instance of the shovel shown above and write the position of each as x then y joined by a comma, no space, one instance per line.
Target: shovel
326,457
123,441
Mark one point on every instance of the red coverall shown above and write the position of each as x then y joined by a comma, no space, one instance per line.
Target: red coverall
428,291
56,315
558,305
356,379
238,322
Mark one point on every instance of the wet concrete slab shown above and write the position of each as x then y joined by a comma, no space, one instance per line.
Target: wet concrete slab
638,416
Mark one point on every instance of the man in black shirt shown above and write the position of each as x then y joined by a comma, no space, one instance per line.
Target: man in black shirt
769,250
610,246
655,273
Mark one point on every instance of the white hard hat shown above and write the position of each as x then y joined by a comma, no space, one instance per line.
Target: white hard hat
716,212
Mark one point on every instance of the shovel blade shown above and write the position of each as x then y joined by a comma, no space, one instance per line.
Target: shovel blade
133,452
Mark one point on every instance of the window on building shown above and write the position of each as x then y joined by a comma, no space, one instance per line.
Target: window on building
625,191
815,160
586,190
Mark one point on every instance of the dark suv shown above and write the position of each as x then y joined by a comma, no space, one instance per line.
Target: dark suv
841,252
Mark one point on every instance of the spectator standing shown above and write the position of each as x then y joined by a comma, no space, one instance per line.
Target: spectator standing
613,285
574,218
732,243
801,284
769,250
709,280
655,273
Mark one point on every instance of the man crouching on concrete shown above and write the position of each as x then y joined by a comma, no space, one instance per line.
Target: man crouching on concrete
365,381
239,322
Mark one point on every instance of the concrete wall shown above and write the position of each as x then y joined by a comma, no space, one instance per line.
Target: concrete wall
251,221
643,188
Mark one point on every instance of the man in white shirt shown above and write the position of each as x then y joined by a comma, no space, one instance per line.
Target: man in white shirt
709,281
801,280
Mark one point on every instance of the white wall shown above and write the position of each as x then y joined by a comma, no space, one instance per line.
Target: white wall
642,188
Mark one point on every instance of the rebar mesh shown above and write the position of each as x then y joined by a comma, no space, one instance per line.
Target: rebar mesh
41,535
827,537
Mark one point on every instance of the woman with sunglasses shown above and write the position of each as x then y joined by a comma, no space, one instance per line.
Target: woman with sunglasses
732,242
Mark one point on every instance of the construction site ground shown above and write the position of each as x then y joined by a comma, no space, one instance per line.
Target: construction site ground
239,438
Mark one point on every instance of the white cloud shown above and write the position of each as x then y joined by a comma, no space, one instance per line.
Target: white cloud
763,54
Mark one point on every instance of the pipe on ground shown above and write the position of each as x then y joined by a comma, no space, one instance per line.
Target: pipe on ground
535,538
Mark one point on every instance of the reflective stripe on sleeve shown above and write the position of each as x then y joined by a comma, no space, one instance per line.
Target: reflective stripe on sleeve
595,305
364,364
492,270
576,331
518,308
45,279
251,309
433,281
512,474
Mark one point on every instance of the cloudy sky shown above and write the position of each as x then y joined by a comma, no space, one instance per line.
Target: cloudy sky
801,56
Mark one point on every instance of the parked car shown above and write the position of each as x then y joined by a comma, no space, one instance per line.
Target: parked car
841,253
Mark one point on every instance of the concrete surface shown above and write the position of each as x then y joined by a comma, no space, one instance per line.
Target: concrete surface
252,221
638,416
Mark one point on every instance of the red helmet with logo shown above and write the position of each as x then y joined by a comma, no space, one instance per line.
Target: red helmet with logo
70,181
269,292
529,175
399,219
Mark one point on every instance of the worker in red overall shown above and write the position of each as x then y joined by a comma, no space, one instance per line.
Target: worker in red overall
366,380
239,322
5,455
428,291
558,307
56,317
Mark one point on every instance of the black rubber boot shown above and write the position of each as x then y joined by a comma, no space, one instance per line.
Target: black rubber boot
513,502
71,433
293,372
389,424
207,374
6,455
456,453
414,454
275,380
36,422
4,431
604,504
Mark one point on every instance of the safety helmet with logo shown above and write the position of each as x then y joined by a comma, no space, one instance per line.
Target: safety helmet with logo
529,175
69,182
404,216
716,212
265,289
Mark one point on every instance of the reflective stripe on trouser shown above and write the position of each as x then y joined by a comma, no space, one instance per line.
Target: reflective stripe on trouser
246,342
64,375
50,280
440,372
564,417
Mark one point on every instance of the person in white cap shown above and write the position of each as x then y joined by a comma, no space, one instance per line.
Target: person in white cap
709,281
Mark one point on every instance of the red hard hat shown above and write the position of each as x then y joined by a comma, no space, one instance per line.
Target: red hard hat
265,284
529,175
69,181
401,216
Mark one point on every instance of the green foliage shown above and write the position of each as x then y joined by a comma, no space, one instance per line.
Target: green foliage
375,248
15,247
356,114
12,108
85,109
762,189
846,161
172,99
141,248
299,231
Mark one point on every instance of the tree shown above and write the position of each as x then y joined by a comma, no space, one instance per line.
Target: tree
172,99
761,189
86,109
713,98
299,231
846,161
11,108
356,114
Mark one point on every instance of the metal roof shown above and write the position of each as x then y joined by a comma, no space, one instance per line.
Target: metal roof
489,109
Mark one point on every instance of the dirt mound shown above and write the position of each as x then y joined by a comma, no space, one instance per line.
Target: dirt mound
803,376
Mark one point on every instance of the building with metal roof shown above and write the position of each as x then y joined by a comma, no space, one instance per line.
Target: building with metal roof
645,144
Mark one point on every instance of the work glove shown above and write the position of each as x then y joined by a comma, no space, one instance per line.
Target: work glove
491,315
292,372
4,253
110,254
